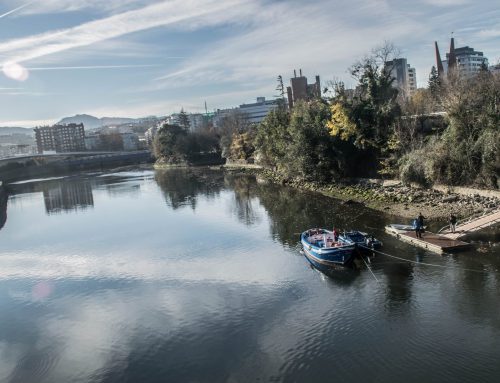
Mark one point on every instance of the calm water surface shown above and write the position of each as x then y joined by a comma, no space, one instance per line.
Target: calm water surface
197,276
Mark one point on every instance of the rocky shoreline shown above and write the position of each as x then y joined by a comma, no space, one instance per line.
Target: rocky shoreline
395,198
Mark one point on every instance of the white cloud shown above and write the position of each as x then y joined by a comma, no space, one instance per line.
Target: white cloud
156,15
282,40
446,3
487,33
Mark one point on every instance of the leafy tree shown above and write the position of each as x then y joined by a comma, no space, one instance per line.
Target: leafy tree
366,116
435,87
242,147
234,123
272,137
183,120
280,87
168,143
340,123
374,107
299,144
468,151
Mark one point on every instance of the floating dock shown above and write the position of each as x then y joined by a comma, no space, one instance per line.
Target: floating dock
430,241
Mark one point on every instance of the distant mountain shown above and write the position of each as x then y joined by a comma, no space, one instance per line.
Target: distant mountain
91,122
88,121
5,130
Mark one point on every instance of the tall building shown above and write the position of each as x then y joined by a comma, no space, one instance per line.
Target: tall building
299,89
151,133
405,77
465,60
257,111
60,138
254,112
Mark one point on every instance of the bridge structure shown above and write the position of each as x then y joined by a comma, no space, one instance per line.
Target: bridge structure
471,224
16,168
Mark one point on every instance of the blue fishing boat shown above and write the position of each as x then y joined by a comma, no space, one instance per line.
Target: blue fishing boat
363,241
323,249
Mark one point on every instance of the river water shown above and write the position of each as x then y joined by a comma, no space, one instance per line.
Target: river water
197,276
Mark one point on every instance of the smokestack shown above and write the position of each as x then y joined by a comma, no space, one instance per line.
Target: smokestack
439,62
294,73
300,72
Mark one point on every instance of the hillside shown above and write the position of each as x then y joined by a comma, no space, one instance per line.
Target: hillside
6,130
91,122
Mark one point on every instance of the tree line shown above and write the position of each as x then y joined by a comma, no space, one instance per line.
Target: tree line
446,133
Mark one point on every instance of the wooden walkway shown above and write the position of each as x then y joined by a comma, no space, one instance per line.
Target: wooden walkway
471,225
430,241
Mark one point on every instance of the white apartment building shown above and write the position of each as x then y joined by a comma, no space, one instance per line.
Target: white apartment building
405,77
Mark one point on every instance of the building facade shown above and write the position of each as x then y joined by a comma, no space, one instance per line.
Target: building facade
254,113
405,77
150,134
60,138
466,61
299,89
257,111
111,140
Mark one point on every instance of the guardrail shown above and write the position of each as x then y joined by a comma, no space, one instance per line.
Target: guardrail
470,219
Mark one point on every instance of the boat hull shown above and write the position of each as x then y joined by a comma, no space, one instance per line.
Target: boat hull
364,242
321,257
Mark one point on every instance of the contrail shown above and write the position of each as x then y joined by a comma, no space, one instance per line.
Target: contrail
93,67
15,10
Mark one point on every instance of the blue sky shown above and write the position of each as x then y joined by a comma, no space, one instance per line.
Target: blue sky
134,58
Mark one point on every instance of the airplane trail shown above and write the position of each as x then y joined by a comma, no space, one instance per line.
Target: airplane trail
16,9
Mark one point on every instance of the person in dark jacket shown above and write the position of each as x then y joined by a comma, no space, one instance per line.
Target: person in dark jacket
453,222
419,225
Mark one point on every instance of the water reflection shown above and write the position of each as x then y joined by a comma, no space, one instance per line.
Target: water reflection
181,187
3,207
67,196
245,199
399,276
338,276
123,292
60,195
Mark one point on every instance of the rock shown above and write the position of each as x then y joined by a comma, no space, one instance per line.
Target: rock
351,202
450,198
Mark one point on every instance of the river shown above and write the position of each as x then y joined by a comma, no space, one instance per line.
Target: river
197,276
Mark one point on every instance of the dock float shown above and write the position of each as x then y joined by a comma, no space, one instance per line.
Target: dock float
430,241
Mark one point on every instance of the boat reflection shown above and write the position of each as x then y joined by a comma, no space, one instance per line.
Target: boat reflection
338,275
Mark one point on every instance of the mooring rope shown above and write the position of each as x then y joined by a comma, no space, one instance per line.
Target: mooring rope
422,263
369,268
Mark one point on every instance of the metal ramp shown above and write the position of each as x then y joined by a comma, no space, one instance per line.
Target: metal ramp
471,225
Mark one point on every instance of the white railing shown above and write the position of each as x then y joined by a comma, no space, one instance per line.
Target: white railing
470,219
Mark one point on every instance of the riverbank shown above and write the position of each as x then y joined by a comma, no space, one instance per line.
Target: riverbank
393,197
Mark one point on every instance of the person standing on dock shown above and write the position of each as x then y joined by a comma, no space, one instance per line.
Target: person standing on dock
453,222
420,225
